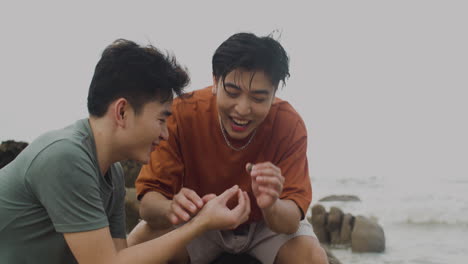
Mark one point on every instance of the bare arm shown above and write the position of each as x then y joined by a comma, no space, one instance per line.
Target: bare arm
154,209
96,246
161,213
283,216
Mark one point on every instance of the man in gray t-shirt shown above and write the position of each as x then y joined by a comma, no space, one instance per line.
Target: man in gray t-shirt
55,186
62,198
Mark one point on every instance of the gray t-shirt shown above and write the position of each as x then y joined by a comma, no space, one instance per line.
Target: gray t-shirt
55,186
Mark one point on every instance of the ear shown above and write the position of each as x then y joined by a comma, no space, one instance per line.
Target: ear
214,88
274,95
120,111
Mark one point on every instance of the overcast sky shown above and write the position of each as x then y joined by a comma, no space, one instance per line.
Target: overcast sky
381,85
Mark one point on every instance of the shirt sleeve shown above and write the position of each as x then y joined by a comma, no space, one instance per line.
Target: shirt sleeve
165,170
64,180
294,168
117,219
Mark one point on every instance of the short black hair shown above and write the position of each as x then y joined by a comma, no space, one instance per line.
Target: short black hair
248,52
138,74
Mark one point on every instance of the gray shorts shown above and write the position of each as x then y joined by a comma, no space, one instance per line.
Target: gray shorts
255,239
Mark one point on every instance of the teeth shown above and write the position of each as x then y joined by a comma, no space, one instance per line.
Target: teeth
240,122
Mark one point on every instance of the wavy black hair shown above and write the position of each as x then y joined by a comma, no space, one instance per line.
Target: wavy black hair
248,52
138,74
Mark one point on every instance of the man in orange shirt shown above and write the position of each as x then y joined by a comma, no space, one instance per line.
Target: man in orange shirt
235,132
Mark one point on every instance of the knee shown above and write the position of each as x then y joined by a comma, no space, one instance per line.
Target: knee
302,249
318,254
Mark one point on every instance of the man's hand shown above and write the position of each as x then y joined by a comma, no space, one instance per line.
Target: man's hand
216,215
185,205
267,183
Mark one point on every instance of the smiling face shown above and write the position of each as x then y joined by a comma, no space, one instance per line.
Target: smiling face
146,130
243,101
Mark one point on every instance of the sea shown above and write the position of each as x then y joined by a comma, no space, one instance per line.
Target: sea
425,221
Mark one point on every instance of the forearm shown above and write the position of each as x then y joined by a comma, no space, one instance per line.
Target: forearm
283,216
154,209
96,246
162,249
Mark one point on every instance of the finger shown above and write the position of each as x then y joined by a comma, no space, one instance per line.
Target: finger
266,165
193,196
226,195
238,211
235,214
174,219
247,207
208,197
265,172
180,213
268,180
185,204
269,191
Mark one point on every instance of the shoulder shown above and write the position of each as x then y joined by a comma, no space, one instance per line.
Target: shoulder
196,100
61,157
193,107
283,114
63,164
65,142
62,152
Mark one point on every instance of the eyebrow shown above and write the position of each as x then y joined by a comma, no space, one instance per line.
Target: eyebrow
232,85
260,92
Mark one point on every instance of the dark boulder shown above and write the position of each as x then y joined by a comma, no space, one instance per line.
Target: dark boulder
346,229
131,170
367,236
319,222
132,207
335,218
9,150
343,230
340,198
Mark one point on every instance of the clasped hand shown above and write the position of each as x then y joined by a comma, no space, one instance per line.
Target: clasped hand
267,183
210,209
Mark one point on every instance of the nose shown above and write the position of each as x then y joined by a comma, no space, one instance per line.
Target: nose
243,107
164,133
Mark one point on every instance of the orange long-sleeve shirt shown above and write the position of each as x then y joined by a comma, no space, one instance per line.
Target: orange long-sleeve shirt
197,157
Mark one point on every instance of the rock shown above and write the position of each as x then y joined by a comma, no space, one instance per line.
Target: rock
367,236
132,207
319,221
340,198
131,170
346,228
9,150
335,217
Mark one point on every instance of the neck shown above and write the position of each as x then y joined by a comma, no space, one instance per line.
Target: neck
227,139
101,130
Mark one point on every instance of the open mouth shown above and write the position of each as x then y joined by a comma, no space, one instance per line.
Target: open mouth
239,125
154,146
